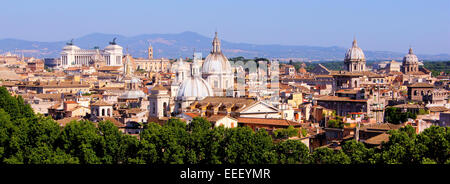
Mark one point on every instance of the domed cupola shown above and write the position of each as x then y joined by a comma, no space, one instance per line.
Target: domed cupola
216,62
355,53
355,59
194,88
410,58
216,69
410,62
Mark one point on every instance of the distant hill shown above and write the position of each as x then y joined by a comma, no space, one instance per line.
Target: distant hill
183,45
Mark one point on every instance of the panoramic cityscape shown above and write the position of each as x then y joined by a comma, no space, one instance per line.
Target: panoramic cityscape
186,98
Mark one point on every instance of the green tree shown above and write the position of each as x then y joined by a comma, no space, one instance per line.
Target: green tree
292,152
284,133
148,144
328,156
82,139
437,142
357,152
395,116
402,148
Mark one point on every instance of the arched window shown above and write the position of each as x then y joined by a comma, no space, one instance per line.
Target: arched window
103,112
165,109
415,92
109,112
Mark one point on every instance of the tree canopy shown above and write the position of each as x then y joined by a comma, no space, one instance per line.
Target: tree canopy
27,138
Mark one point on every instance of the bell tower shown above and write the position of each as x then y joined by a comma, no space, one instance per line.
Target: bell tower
150,52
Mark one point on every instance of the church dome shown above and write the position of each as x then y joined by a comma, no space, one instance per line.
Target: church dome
410,58
216,62
355,53
195,87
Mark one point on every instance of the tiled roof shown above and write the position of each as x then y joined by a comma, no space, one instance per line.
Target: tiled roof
377,140
159,87
438,109
347,91
114,121
267,121
65,121
100,103
421,85
191,114
339,99
109,68
409,106
384,126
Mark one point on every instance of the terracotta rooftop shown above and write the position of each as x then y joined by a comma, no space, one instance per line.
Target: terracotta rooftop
409,106
421,85
339,99
347,91
114,121
383,127
159,87
100,103
109,68
377,140
191,114
438,109
267,121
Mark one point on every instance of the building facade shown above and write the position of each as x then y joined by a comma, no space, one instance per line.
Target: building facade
73,56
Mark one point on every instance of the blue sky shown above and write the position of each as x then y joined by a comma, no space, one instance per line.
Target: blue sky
378,25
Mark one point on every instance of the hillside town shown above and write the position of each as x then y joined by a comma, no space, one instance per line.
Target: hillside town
328,106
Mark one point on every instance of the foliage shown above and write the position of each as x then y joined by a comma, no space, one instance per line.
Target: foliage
328,156
293,152
336,123
26,138
284,133
395,116
436,67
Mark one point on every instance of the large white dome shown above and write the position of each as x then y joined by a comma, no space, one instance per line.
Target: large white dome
355,53
410,58
216,62
195,87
